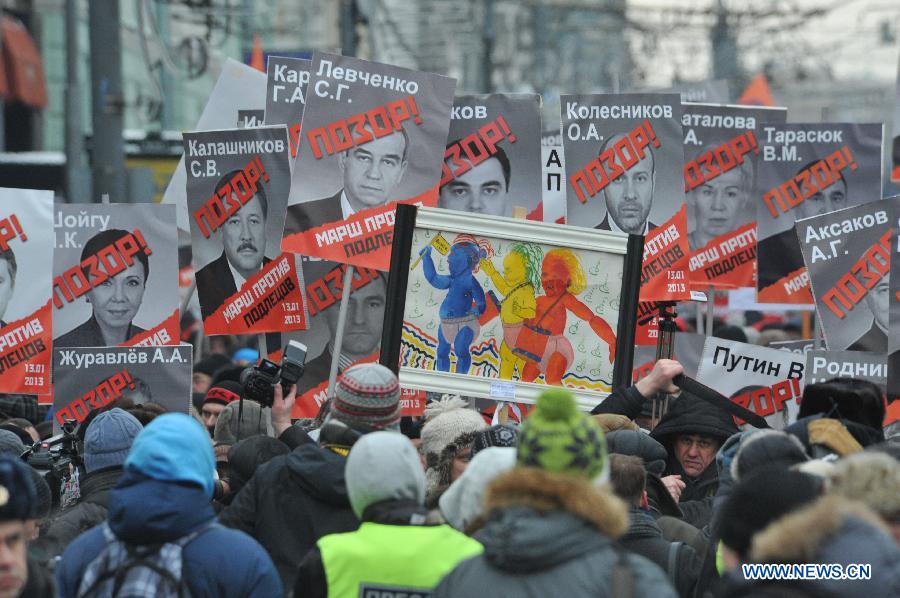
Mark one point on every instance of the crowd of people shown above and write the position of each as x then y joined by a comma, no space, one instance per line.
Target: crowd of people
241,500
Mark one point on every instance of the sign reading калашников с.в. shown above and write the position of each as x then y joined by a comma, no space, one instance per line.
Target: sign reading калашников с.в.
237,189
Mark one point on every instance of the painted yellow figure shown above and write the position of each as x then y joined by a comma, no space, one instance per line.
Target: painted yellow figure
521,276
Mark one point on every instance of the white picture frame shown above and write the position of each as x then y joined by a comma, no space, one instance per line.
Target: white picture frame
507,229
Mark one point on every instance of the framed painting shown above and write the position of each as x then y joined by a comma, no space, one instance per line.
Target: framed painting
494,307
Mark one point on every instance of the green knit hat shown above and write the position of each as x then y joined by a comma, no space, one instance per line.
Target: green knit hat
557,437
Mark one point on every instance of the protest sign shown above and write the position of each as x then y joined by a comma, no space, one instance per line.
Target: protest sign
498,308
362,328
624,160
502,178
286,82
373,135
709,91
26,261
237,190
893,383
362,332
239,94
823,365
847,256
764,380
87,378
115,275
721,152
807,170
553,173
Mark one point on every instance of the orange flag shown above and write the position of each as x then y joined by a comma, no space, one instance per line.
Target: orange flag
757,93
256,58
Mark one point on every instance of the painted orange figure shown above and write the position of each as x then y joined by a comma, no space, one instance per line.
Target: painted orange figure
543,343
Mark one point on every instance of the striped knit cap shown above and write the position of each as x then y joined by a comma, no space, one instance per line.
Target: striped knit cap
367,398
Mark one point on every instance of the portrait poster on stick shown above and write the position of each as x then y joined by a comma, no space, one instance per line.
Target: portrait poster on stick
807,170
624,164
286,81
26,264
764,380
848,257
238,182
88,378
362,327
491,164
373,135
721,151
499,308
118,270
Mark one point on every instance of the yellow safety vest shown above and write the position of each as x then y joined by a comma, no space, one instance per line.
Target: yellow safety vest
387,561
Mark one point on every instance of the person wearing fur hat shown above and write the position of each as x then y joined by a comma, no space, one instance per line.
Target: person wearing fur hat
164,496
447,440
106,444
295,499
551,521
873,479
839,417
396,550
829,530
692,431
19,574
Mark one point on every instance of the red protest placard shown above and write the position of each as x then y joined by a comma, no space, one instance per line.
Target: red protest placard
26,264
373,135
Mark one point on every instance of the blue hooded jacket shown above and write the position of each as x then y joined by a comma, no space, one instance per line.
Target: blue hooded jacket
163,495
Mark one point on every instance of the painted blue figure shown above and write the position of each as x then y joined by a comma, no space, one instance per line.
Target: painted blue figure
462,305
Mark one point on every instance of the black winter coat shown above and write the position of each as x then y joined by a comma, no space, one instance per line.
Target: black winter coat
90,510
678,560
291,502
692,415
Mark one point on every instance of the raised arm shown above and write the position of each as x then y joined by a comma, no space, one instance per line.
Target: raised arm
438,281
496,277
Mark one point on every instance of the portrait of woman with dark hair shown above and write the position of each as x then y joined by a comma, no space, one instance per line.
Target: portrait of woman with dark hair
114,302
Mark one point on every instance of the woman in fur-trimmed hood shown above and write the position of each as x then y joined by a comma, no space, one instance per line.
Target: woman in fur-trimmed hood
832,530
551,522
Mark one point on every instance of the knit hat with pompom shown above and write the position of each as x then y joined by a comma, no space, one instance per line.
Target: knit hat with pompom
557,437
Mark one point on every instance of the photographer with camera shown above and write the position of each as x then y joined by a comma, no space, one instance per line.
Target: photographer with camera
107,440
295,499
